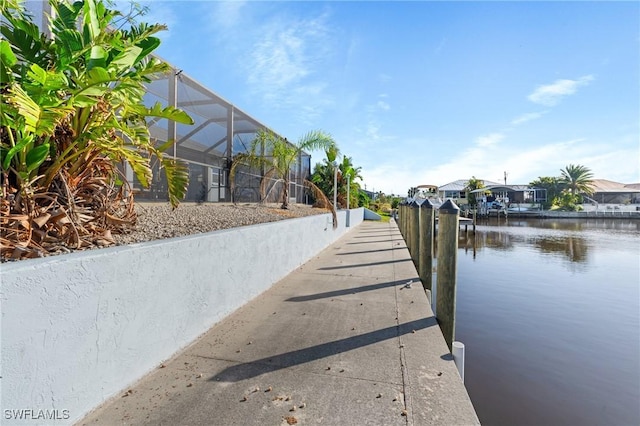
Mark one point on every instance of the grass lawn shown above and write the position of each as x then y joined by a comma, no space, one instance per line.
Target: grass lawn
386,217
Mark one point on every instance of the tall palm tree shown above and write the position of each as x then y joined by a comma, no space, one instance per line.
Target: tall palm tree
347,175
280,155
577,179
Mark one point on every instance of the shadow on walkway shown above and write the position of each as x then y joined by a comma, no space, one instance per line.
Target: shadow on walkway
369,251
261,366
363,265
346,291
376,241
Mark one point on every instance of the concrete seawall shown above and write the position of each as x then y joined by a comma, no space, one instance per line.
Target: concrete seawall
347,339
78,328
602,214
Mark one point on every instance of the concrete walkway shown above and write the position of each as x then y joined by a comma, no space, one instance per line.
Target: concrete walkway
346,339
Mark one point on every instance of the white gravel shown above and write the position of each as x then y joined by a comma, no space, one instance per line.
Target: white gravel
157,220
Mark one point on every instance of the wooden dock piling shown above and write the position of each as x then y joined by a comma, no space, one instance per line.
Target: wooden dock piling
448,215
425,267
414,233
402,211
474,221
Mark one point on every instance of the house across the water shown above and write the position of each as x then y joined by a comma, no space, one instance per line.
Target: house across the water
605,192
609,192
456,191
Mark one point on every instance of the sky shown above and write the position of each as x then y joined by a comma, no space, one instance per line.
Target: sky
427,92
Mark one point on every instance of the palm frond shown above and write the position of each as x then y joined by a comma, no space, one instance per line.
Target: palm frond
264,182
177,178
322,200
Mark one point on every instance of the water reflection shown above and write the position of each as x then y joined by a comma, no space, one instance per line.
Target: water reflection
572,248
549,311
622,225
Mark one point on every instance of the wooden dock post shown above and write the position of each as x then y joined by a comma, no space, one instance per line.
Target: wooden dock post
405,220
425,268
447,269
400,222
414,233
474,221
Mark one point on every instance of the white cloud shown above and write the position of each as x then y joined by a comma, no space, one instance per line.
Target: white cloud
551,94
372,131
395,172
527,117
490,163
227,14
626,170
489,140
389,179
283,66
383,105
278,60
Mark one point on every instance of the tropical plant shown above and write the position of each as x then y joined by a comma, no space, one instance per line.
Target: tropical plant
566,201
277,155
363,199
552,185
577,179
348,176
323,172
472,185
72,111
395,201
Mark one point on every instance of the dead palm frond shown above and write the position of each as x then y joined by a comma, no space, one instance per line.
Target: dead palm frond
78,211
322,200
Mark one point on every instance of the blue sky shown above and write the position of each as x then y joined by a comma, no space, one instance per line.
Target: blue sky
427,92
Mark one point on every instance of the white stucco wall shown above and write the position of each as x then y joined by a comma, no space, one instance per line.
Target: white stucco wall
78,328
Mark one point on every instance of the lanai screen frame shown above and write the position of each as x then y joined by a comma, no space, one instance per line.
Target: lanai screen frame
221,130
206,152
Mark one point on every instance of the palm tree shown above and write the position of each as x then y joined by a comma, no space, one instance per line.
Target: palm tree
323,172
280,155
347,175
577,179
472,185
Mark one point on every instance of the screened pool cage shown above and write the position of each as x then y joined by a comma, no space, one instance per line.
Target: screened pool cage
220,132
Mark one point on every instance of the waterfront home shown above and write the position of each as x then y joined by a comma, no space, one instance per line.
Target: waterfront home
507,194
610,192
456,190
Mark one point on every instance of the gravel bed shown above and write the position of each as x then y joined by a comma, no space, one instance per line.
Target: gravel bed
157,220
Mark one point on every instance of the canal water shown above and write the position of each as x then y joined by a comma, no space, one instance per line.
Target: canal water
549,311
